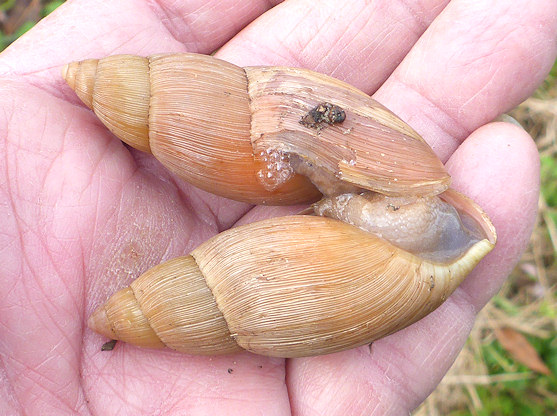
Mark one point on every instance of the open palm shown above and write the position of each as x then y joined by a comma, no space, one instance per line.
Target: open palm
81,215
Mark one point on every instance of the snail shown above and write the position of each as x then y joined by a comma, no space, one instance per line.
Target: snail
387,241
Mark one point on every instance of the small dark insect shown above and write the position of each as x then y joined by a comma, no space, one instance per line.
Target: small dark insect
108,346
323,113
230,371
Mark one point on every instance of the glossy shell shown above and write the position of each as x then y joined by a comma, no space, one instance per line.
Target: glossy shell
230,130
268,288
291,286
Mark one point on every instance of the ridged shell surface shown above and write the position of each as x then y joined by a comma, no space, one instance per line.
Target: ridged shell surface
287,287
231,130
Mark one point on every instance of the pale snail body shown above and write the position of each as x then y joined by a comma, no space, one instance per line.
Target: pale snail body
290,286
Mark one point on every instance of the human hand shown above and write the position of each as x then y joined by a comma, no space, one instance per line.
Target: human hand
82,215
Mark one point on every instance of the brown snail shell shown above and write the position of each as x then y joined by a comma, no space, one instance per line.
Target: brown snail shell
225,129
268,288
291,286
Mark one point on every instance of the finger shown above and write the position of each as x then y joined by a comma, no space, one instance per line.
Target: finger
87,28
509,198
476,61
402,369
360,42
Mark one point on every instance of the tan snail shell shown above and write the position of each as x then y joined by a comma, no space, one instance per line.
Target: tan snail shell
290,286
220,127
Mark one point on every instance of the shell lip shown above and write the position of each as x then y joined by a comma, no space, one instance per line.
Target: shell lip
391,186
467,206
477,225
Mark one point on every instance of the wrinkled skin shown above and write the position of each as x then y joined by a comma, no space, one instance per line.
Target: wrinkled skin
81,214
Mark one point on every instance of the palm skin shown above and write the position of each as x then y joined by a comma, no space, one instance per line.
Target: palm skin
81,214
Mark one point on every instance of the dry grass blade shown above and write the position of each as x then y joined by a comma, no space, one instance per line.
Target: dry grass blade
518,346
22,11
483,380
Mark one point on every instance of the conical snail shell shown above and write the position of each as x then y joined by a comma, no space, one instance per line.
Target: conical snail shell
268,288
227,129
290,286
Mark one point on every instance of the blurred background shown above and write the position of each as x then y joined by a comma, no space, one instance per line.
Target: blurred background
509,363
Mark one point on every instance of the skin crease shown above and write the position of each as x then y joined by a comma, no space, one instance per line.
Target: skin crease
81,215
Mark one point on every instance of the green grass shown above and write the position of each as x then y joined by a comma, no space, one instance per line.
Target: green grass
519,397
8,5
